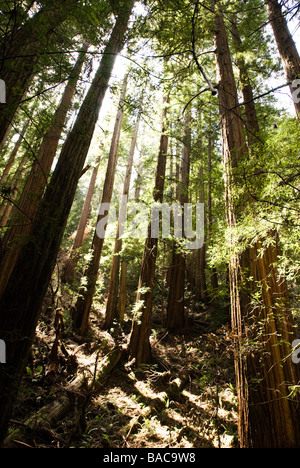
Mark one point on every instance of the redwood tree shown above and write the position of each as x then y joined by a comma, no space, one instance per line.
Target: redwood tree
25,211
20,51
22,299
286,47
86,293
139,345
112,295
70,264
176,303
267,416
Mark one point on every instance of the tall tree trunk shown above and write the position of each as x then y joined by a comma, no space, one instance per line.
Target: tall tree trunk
14,153
251,120
122,293
86,294
286,47
275,298
139,345
214,274
23,297
201,287
14,186
112,296
267,416
24,214
19,55
176,304
71,263
138,180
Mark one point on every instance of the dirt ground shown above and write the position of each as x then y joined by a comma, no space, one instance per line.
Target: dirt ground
184,399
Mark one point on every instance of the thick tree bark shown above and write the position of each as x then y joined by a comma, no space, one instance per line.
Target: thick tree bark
86,295
22,300
112,295
139,345
71,263
176,304
19,55
263,372
286,47
23,215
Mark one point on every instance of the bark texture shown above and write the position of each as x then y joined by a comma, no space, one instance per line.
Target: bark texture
262,330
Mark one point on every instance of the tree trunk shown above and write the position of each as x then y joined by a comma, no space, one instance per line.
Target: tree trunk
23,297
23,215
262,332
139,345
14,153
138,180
176,304
71,263
286,47
200,254
214,274
112,297
19,55
201,287
86,294
251,120
14,186
123,293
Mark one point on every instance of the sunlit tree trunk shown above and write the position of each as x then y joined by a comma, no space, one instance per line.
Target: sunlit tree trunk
200,254
139,344
262,329
250,115
86,295
22,300
71,263
112,295
287,49
122,302
14,186
14,153
23,215
176,303
214,282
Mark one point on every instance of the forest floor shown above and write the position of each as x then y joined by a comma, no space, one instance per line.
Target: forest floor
184,399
